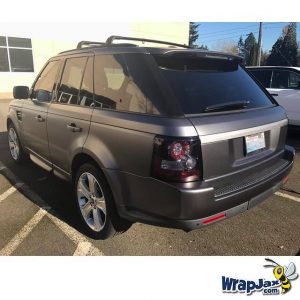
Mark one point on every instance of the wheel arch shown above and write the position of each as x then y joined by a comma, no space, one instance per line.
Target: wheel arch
9,121
16,125
81,158
112,181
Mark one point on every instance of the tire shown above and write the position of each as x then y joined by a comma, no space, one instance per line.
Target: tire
95,204
15,147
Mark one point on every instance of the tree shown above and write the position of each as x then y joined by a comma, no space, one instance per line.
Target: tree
193,34
264,57
250,48
227,47
241,47
284,51
275,58
289,46
202,47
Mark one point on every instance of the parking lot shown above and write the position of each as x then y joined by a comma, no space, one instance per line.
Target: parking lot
36,218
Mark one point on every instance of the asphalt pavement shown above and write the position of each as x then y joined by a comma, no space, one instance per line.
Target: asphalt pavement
37,218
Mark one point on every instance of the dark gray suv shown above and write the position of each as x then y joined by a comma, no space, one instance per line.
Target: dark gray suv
168,136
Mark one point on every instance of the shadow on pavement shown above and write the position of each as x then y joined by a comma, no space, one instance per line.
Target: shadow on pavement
57,193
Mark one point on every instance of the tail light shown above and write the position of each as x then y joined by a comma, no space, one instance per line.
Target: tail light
176,159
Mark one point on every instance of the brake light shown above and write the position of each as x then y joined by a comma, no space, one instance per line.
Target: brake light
176,159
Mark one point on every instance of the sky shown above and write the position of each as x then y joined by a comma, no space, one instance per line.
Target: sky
214,34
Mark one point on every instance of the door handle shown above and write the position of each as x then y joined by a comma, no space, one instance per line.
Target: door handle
272,94
74,128
39,118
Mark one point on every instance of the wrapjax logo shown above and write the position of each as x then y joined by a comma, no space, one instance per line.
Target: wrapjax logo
281,283
233,285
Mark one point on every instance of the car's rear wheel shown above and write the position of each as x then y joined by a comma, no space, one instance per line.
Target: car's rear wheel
95,204
15,148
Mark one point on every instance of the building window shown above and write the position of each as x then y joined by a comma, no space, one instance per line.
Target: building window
15,54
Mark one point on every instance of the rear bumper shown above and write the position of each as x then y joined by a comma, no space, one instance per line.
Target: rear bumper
189,206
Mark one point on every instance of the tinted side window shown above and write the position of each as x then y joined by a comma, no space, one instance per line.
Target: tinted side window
68,91
283,79
294,80
114,87
263,76
280,80
87,85
44,85
140,68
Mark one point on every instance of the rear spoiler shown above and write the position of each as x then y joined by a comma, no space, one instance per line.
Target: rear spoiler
205,54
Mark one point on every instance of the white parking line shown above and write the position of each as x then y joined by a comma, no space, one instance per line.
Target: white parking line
84,247
10,191
284,195
23,233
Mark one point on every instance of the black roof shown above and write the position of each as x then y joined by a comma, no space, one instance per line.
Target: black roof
168,49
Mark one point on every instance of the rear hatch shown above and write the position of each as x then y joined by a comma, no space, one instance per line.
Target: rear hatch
241,129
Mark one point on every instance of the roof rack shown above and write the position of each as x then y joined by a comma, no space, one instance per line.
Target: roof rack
88,43
112,38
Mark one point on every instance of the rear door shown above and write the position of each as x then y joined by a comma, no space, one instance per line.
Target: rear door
285,88
34,114
238,124
70,113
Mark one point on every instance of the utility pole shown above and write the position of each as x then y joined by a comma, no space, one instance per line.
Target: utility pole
259,44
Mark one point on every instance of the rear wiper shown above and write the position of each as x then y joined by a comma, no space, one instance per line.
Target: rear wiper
227,106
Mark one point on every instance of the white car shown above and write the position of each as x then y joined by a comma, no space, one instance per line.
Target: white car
283,83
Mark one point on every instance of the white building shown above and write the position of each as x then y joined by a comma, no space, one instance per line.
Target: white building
24,48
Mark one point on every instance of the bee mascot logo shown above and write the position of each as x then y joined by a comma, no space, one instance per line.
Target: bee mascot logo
283,274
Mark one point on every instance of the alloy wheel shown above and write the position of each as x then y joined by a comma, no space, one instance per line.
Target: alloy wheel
91,201
13,143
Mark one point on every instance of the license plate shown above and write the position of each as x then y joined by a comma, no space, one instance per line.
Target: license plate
255,142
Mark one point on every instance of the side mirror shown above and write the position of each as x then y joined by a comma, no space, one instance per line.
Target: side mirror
21,92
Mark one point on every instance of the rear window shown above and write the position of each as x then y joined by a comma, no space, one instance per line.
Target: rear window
199,83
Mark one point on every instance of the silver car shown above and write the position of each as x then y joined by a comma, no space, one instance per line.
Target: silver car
283,83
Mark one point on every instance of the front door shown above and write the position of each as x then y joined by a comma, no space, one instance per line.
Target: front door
34,114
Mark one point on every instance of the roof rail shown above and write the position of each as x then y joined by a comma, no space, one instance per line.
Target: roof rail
88,43
110,40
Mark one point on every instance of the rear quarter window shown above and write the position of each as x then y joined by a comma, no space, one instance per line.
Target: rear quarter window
114,87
